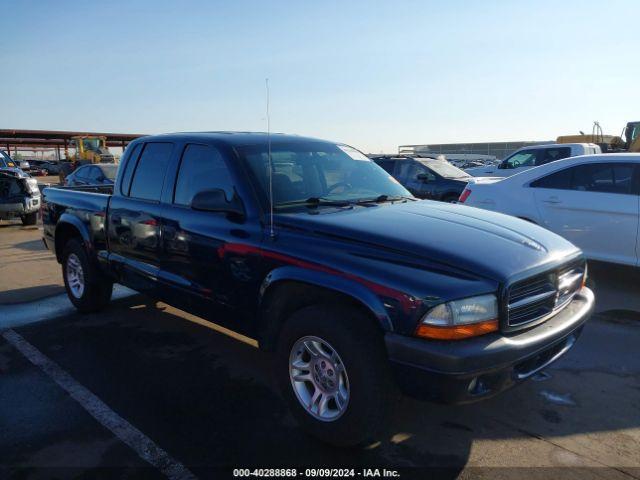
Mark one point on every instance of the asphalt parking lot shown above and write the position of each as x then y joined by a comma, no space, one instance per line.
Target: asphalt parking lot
206,401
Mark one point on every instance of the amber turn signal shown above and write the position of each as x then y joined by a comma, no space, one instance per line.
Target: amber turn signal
457,332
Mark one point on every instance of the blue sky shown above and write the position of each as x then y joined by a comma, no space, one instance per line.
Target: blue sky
373,74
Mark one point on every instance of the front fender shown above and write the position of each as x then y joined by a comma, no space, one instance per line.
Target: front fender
329,281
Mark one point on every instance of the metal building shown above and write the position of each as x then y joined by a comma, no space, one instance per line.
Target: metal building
499,150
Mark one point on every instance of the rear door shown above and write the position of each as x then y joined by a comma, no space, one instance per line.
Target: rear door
595,206
135,215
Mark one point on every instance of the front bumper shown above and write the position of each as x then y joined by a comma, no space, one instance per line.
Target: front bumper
11,209
465,371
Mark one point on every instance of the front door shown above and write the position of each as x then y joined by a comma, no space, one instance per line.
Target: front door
210,258
416,178
518,162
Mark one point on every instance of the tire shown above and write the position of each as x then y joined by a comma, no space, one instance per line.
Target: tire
451,198
365,372
88,289
29,218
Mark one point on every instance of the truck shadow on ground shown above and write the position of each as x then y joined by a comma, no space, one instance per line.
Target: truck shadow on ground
31,246
27,294
210,401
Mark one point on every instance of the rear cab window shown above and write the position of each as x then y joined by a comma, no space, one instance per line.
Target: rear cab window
130,166
149,173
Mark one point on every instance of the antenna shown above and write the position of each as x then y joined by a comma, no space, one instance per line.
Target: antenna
271,232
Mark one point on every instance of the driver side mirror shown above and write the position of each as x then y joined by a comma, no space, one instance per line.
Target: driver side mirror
215,200
503,165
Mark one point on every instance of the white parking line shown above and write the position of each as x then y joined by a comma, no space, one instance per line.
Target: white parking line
25,313
130,435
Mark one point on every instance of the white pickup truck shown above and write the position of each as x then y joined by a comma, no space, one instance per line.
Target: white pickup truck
534,156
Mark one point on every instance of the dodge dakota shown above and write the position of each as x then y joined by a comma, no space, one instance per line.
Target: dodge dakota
317,254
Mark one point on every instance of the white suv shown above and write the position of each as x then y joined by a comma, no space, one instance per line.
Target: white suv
529,157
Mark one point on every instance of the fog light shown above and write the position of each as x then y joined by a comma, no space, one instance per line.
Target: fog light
477,387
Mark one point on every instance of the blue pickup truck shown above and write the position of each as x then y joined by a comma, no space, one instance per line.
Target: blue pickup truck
324,259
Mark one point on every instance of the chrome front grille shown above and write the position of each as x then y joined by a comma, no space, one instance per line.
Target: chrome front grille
537,297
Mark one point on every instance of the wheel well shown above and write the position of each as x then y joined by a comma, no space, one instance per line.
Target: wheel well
528,220
64,233
286,297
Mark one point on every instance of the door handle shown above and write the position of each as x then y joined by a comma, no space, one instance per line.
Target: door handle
552,200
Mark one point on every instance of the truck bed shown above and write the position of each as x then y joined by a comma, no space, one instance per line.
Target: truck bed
86,205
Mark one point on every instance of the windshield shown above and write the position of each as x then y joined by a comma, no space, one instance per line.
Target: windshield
91,143
110,171
5,160
444,169
303,171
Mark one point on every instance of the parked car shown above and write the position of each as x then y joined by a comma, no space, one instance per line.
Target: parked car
50,167
93,174
529,157
591,200
431,178
19,196
353,284
7,162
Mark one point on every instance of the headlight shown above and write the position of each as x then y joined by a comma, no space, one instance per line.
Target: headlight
459,319
32,185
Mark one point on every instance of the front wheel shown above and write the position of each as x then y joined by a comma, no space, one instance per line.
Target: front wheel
88,289
334,373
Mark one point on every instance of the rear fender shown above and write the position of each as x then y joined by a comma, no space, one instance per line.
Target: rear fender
65,222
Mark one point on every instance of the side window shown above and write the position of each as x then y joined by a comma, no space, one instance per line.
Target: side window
430,175
409,170
388,165
553,154
603,177
560,180
202,168
130,167
522,159
149,173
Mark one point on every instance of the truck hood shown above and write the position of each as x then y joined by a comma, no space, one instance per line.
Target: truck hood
488,244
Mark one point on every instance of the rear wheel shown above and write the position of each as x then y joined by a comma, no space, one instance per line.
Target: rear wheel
88,289
29,218
451,198
333,371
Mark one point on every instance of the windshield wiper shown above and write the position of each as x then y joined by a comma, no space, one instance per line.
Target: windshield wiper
327,201
385,198
316,201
